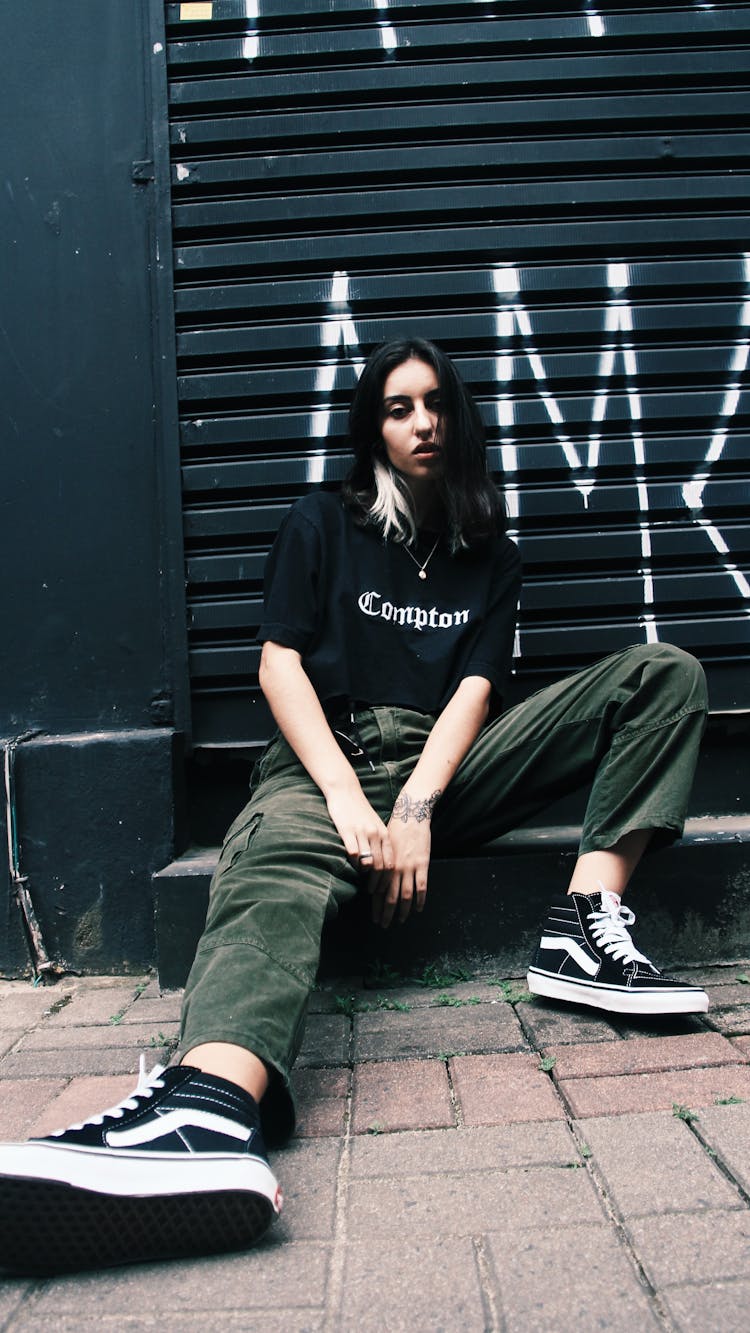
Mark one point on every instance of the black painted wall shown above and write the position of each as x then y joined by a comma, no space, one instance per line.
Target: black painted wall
90,653
81,518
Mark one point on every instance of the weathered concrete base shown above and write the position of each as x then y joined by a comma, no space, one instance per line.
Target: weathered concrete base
95,817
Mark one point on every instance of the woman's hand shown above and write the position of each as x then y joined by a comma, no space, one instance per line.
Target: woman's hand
411,840
362,831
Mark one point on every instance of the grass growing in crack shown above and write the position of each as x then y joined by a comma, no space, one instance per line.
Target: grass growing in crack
684,1113
432,976
169,1044
546,1063
382,975
511,991
453,1001
349,1005
385,1002
744,978
375,1127
114,1019
728,1101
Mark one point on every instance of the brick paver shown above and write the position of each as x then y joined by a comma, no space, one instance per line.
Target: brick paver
326,1041
653,1163
321,1097
428,1152
643,1055
81,1098
146,1038
401,1094
71,1061
726,1130
441,1031
653,1092
718,1305
8,1039
424,1275
595,1284
107,1005
735,1018
549,1024
461,1205
692,1247
26,1005
22,1101
499,1089
308,1171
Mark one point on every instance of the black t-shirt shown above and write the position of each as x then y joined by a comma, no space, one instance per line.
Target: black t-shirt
369,630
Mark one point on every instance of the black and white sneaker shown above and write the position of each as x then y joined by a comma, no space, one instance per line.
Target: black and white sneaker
178,1168
586,955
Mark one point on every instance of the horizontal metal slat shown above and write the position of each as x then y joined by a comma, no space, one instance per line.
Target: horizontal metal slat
682,457
461,164
549,326
540,597
491,243
180,18
531,197
444,288
578,640
671,69
501,117
457,38
587,545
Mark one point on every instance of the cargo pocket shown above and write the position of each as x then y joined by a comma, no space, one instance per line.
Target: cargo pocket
238,839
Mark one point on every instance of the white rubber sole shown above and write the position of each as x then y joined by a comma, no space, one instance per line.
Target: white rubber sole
140,1175
618,1000
65,1209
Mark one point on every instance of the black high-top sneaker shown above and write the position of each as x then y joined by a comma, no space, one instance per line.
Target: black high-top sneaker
586,955
178,1168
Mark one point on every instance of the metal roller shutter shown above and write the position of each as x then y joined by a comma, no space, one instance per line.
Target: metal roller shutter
557,194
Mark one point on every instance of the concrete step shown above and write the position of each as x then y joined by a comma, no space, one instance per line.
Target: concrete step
692,901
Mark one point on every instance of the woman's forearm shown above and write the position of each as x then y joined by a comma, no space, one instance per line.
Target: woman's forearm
300,718
450,740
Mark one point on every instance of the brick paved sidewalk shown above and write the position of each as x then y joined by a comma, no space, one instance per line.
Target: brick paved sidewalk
466,1158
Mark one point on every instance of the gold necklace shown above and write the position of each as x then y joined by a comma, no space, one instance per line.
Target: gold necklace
423,568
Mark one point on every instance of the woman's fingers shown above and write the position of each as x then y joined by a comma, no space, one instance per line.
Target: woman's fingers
420,888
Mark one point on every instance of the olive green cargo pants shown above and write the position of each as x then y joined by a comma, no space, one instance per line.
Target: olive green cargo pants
630,726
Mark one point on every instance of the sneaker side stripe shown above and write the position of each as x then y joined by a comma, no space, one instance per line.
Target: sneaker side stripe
172,1122
563,943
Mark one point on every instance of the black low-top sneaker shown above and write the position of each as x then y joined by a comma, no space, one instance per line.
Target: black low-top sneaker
178,1168
586,955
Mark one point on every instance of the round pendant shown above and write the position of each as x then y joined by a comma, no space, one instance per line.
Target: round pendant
422,574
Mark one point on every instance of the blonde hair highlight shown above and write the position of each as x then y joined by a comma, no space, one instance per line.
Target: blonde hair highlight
391,507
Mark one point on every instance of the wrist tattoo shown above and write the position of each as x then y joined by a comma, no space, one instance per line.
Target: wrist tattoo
418,808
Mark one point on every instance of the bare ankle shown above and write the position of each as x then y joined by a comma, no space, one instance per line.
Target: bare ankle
236,1064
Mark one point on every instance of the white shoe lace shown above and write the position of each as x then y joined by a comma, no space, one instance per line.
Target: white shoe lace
145,1087
609,928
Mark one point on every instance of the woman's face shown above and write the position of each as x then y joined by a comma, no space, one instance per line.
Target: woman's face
410,421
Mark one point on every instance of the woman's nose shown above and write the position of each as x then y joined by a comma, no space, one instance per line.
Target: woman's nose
422,418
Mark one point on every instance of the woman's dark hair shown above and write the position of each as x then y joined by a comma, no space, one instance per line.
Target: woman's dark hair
377,493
